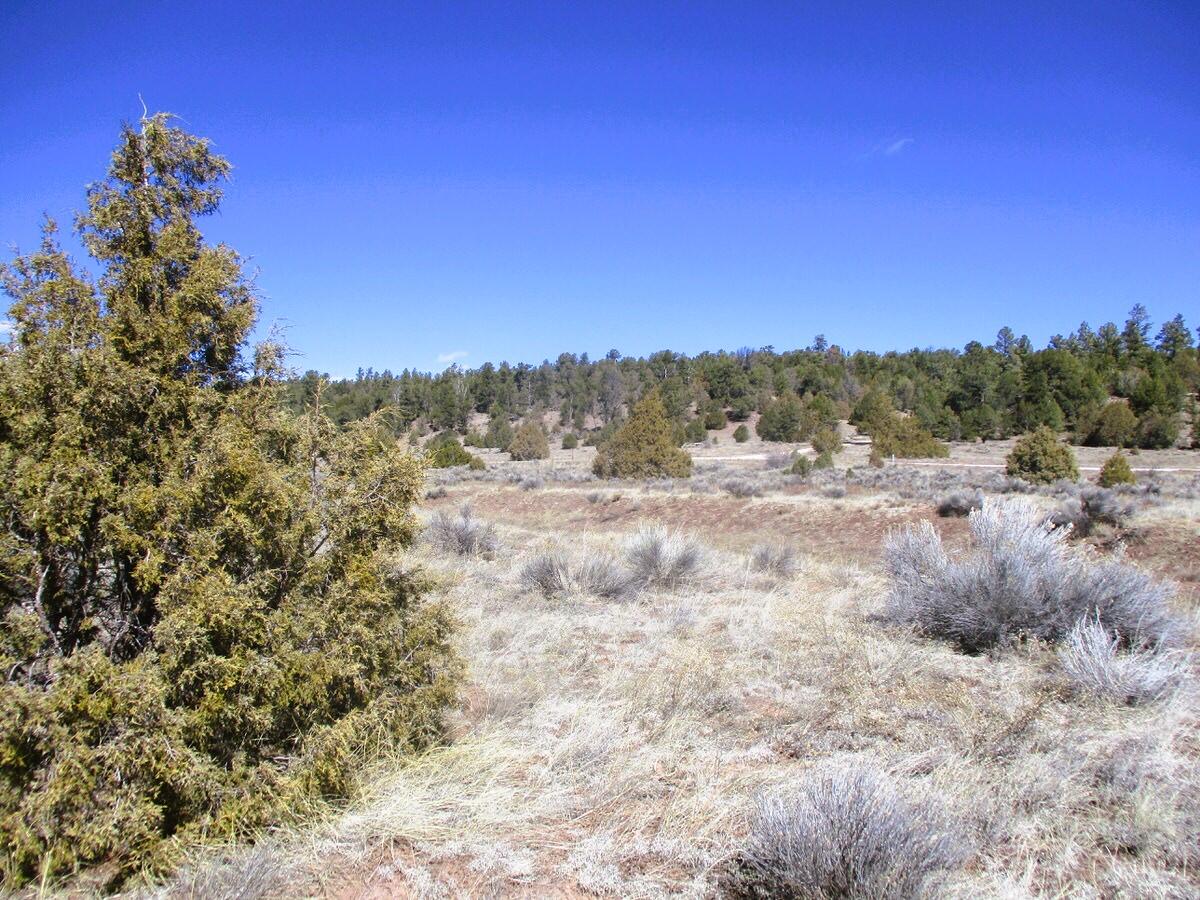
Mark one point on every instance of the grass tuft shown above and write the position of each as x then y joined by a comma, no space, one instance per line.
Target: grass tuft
1094,663
774,559
548,573
659,558
601,576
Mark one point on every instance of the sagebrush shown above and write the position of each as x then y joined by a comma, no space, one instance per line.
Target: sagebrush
462,534
845,832
1095,663
663,559
1020,579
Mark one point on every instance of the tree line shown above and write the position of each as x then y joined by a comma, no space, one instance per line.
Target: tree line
1113,385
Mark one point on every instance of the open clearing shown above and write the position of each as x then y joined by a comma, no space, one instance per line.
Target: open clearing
615,747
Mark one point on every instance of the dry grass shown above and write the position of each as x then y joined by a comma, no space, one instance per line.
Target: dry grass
622,749
1095,663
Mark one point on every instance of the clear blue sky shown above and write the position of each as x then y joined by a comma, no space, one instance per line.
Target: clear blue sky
510,181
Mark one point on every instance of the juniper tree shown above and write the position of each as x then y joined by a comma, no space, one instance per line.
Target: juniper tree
529,441
205,620
643,447
781,420
1040,458
1116,470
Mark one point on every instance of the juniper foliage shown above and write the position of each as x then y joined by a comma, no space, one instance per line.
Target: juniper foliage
205,623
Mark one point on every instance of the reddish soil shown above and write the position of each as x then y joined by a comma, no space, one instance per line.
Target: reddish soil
382,877
1172,551
826,528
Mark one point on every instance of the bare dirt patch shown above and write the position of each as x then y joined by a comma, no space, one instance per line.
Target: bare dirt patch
853,528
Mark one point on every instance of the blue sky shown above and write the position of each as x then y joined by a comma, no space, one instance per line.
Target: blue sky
415,183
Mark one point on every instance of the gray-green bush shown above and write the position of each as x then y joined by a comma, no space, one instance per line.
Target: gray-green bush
1022,578
1094,663
663,559
774,559
463,535
845,832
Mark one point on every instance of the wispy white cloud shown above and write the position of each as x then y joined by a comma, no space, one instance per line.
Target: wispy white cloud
6,327
893,146
452,356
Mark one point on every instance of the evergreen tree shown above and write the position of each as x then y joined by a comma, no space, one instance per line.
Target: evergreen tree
1040,458
781,420
1114,425
1116,471
643,447
499,434
204,625
1174,337
1137,330
905,438
529,442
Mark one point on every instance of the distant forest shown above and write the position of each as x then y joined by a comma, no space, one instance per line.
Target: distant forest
1113,385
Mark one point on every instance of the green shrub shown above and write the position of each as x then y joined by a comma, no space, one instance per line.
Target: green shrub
981,422
741,434
740,409
1116,471
873,409
206,630
529,442
823,461
714,418
601,436
819,413
781,420
1114,425
694,433
499,432
445,452
1040,458
801,466
642,447
905,438
570,441
474,439
827,440
1157,431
